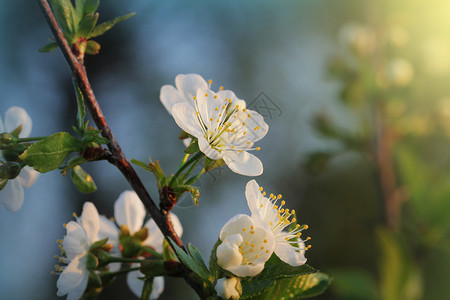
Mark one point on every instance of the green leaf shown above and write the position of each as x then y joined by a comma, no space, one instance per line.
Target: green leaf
81,113
104,27
214,269
87,24
93,136
300,287
274,269
82,180
211,164
189,261
195,193
168,252
147,289
193,147
3,183
155,168
92,47
197,256
84,7
49,47
48,154
65,14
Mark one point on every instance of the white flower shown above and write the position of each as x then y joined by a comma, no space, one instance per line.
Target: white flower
129,211
11,197
265,211
245,247
80,236
225,129
226,288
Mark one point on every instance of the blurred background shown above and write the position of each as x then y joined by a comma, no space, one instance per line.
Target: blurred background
357,99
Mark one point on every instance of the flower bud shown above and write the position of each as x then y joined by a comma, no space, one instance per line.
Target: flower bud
6,141
13,152
91,261
10,170
228,288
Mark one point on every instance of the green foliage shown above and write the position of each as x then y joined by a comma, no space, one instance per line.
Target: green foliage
274,270
92,47
82,180
300,287
168,252
193,147
48,154
211,164
193,261
49,47
104,27
154,168
81,112
67,19
213,267
147,288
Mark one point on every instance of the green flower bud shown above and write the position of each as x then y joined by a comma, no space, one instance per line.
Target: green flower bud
10,170
6,141
91,261
13,152
152,267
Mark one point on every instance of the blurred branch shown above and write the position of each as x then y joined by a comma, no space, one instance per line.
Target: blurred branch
118,158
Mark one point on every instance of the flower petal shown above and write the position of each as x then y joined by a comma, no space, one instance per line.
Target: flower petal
135,284
169,96
188,84
235,225
11,197
90,221
129,211
206,149
16,116
287,253
228,254
73,280
243,163
253,194
28,176
108,229
246,270
186,118
155,238
76,241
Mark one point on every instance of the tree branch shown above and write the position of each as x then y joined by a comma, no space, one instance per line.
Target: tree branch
118,158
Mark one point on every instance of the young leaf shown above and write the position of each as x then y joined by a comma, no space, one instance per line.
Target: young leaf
197,256
49,47
92,47
104,27
81,113
193,147
84,7
212,164
304,286
65,14
82,180
168,252
48,154
87,24
190,262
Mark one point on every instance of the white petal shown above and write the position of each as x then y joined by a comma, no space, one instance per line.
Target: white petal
11,196
73,280
187,142
129,210
28,176
90,221
206,149
207,103
228,254
243,163
155,237
186,118
76,241
108,229
16,116
256,120
253,195
135,284
226,288
246,270
169,96
188,84
235,100
287,253
235,225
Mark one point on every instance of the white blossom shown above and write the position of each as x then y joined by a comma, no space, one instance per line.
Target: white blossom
224,127
80,236
11,197
289,247
245,247
226,288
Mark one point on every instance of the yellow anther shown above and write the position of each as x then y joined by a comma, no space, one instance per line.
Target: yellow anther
260,188
247,243
223,107
248,142
253,245
233,146
271,223
240,150
275,206
258,148
237,106
244,229
249,115
262,205
245,132
264,193
252,227
244,109
74,215
210,82
279,196
230,100
265,241
251,250
262,247
211,119
243,124
306,226
294,220
215,96
287,210
286,238
271,195
296,226
252,232
206,95
267,251
308,247
256,128
234,130
216,109
221,88
195,98
308,238
283,202
243,253
293,211
256,256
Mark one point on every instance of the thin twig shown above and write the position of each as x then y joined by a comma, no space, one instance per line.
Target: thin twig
118,158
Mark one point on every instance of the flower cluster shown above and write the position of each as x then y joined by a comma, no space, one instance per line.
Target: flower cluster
249,241
92,233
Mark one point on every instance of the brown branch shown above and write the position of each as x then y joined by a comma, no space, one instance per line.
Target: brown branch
118,158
